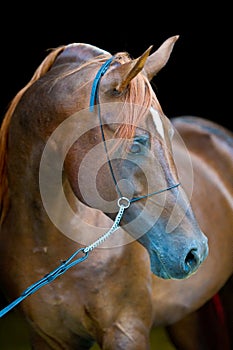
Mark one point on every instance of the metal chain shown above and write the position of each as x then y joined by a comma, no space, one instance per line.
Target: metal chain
123,203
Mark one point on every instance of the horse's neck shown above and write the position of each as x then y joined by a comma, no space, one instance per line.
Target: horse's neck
81,225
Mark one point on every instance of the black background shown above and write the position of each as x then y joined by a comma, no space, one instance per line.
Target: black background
195,81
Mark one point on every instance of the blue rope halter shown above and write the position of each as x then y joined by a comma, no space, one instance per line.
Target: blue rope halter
95,85
95,100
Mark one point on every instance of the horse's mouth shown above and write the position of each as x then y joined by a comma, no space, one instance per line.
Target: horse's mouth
163,274
158,266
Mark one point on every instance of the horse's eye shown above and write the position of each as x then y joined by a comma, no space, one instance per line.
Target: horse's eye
138,145
135,147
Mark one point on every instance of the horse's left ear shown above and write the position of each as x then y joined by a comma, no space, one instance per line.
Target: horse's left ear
119,77
159,58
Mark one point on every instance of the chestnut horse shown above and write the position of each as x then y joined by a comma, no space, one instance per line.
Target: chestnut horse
53,149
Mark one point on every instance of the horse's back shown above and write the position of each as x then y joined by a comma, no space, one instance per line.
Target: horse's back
202,125
207,139
210,148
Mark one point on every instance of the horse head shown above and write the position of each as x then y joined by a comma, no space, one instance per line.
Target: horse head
104,124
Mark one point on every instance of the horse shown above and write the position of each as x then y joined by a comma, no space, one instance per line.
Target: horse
56,132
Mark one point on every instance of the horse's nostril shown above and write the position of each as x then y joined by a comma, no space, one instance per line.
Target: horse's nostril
192,260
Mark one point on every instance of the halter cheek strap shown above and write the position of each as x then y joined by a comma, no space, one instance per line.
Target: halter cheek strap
94,100
95,85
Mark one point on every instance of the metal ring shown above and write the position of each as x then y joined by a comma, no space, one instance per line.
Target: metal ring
123,202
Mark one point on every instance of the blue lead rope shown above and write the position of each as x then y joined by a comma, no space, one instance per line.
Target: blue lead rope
65,265
123,204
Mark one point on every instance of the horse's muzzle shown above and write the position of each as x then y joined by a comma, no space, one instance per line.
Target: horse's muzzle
180,262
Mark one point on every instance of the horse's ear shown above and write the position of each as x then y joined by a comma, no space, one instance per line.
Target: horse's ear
79,53
159,58
119,77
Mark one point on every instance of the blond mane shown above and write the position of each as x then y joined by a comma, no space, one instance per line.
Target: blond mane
40,71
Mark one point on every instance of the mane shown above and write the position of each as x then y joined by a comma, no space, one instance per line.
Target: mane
40,71
139,99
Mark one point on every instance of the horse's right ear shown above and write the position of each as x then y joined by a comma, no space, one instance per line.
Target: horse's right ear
78,53
159,58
